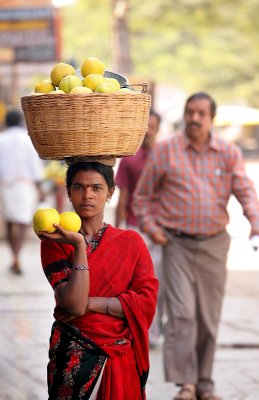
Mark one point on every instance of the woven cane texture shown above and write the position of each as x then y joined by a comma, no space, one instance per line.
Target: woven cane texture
71,125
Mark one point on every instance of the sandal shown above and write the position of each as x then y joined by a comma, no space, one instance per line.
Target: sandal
186,390
207,396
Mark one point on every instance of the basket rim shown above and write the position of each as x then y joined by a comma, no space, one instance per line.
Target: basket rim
83,95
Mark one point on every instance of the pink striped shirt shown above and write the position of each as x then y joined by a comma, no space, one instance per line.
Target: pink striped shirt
190,190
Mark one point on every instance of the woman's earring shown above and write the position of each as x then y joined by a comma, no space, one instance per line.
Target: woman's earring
108,201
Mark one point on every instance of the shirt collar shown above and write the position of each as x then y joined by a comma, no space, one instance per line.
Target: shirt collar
185,142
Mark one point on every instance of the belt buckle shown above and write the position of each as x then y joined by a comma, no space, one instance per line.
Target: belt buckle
200,237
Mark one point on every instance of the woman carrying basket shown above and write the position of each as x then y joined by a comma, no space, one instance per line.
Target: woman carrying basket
105,292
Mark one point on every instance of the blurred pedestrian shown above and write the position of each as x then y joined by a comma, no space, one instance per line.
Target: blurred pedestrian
127,176
192,176
55,174
21,172
106,292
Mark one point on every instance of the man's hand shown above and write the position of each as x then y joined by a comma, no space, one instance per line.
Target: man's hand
159,237
255,242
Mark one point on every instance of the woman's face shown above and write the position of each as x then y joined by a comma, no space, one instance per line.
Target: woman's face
89,193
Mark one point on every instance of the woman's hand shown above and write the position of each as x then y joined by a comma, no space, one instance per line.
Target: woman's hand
62,315
63,236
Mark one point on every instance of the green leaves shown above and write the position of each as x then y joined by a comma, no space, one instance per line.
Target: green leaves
201,44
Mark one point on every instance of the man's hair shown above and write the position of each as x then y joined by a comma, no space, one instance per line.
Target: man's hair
203,96
155,114
14,118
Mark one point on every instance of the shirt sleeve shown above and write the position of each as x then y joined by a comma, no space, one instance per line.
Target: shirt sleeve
244,190
56,262
122,179
144,197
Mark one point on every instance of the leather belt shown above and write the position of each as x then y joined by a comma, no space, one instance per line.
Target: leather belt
198,237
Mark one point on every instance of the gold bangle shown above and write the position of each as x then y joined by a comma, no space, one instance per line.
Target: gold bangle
108,305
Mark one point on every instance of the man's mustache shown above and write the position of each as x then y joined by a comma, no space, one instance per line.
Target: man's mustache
194,124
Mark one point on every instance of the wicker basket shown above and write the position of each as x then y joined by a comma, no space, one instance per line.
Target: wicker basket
102,124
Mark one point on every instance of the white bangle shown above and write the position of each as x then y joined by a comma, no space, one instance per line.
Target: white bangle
80,267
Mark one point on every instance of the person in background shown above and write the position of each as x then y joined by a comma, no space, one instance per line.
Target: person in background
192,176
127,176
105,290
21,172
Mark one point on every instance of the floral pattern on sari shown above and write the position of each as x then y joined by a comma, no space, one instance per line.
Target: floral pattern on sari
75,364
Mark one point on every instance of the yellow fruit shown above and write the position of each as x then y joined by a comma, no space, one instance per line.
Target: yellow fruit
44,218
55,170
70,221
80,90
69,82
92,66
44,87
114,82
57,92
106,87
59,71
92,81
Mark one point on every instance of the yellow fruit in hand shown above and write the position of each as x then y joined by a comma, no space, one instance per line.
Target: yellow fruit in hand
59,71
70,221
92,66
114,81
44,218
80,90
69,82
93,80
106,87
44,87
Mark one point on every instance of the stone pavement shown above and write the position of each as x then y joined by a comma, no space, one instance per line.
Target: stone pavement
26,304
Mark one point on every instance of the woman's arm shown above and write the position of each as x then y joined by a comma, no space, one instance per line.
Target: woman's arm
106,305
72,296
102,305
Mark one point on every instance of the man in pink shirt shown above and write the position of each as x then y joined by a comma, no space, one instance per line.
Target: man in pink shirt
191,177
129,171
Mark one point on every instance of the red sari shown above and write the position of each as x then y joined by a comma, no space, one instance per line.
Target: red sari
120,267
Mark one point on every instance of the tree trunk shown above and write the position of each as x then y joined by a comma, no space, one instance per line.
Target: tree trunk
120,43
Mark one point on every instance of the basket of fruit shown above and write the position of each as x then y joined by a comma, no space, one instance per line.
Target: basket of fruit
91,112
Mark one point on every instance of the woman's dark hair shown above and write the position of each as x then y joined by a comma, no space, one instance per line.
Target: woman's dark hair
203,96
105,170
